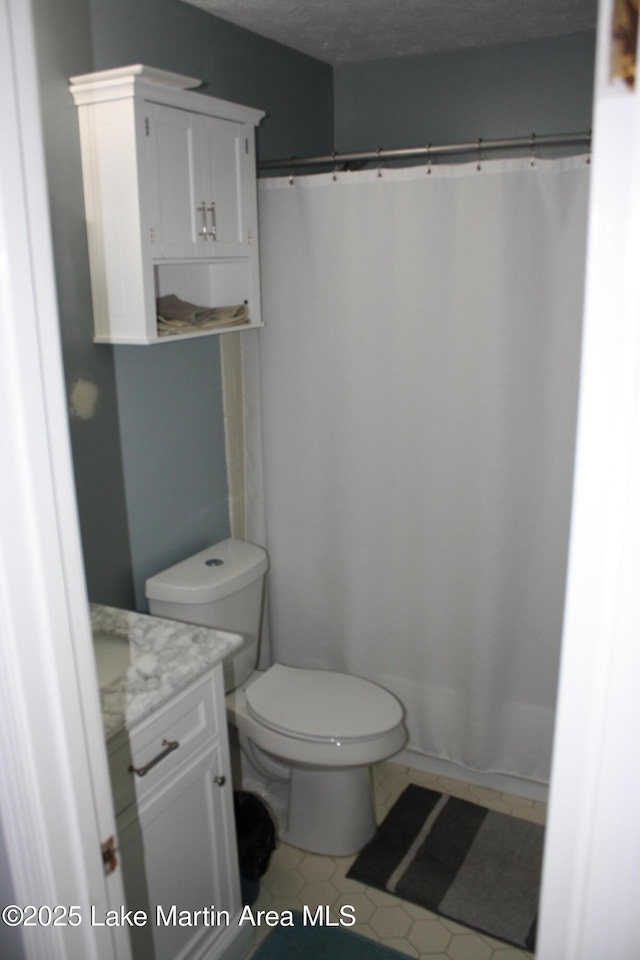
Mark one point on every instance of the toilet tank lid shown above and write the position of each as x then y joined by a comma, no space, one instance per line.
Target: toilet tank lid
210,575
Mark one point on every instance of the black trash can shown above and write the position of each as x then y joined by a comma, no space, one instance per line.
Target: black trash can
256,835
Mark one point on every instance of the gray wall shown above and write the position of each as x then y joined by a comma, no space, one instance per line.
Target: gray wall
150,462
542,86
235,64
63,37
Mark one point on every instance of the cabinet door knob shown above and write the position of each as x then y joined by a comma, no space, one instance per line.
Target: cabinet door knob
220,781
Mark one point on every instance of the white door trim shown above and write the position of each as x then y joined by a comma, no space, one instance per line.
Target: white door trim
55,799
591,884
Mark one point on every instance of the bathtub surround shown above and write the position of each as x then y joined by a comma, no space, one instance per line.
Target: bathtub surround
233,404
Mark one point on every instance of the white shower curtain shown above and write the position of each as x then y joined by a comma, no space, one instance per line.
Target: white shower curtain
419,371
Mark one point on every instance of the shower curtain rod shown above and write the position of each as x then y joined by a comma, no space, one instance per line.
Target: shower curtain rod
476,146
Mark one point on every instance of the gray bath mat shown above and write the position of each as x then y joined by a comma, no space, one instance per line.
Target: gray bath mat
460,860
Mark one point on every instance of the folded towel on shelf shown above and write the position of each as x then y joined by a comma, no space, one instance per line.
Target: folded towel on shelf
179,316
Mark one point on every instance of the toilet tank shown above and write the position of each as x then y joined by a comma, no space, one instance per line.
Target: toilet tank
221,587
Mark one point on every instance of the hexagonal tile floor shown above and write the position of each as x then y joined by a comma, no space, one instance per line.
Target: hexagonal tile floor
296,879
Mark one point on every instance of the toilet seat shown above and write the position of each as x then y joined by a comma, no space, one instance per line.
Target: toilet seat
322,706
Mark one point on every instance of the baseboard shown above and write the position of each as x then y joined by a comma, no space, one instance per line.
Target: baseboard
505,783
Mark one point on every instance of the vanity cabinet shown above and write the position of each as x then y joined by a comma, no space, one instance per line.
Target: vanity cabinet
176,832
170,199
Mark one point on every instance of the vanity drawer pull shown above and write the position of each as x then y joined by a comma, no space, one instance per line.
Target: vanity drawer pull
169,747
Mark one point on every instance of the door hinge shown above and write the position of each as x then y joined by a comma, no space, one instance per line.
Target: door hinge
246,144
109,858
146,126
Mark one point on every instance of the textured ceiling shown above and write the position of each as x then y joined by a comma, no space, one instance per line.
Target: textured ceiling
355,31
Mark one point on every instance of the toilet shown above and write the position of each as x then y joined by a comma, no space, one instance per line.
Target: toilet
307,737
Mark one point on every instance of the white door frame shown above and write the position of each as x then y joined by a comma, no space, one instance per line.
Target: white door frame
55,797
591,885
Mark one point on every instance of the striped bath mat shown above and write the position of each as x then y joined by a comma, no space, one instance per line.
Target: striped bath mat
460,860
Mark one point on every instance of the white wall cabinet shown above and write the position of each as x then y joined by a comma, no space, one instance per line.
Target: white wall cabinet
170,196
176,832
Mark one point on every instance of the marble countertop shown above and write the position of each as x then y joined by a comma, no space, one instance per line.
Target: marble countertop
164,657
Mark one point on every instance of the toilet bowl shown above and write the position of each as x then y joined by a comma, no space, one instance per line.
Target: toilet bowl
326,729
308,737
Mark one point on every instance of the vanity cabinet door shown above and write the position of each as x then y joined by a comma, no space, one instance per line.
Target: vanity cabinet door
187,724
180,864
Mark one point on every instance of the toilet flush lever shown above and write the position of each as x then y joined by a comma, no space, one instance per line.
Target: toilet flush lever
214,562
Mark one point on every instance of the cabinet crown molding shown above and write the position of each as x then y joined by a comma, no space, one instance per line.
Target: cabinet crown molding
150,83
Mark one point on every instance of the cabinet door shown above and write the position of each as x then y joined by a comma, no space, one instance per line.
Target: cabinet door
195,164
223,143
177,229
178,854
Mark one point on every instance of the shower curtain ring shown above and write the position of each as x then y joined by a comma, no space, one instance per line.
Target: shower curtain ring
479,149
335,166
291,180
379,162
532,158
428,149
